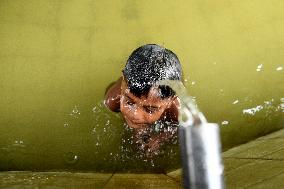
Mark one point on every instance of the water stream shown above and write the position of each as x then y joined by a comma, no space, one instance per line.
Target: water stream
189,111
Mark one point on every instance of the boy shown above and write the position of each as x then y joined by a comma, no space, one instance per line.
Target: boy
140,100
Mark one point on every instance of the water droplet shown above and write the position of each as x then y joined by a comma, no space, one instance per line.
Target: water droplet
279,68
259,67
71,158
66,125
225,122
252,111
268,103
282,107
193,83
152,163
236,101
97,109
75,112
19,143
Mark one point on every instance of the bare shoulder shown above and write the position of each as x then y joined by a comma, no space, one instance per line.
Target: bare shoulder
112,96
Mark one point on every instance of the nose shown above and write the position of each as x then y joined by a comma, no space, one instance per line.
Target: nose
139,115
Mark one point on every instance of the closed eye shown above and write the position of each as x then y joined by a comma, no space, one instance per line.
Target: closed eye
130,103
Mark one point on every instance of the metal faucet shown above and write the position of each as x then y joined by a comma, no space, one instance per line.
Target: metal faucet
200,149
199,143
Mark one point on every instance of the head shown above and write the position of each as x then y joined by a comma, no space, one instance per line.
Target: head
143,101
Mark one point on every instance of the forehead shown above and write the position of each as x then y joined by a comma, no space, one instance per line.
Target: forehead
152,98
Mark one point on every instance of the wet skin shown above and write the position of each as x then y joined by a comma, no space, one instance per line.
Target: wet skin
140,112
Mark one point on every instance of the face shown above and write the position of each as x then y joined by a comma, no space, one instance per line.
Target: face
139,112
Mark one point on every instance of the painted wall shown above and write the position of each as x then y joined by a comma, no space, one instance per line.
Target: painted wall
57,58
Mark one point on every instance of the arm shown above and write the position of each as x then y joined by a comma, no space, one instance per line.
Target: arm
112,96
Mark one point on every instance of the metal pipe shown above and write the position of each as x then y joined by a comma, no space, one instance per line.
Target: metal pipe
199,143
201,151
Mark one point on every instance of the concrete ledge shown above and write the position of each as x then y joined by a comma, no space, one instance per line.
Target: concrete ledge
256,164
176,175
54,180
147,181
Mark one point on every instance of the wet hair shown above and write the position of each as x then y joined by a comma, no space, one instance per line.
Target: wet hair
147,65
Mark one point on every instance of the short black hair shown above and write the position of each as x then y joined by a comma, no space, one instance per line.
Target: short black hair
147,65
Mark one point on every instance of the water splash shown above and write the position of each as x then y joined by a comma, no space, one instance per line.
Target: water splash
259,68
280,68
18,143
225,122
188,106
66,125
235,102
94,130
268,105
252,111
281,106
75,112
97,109
152,163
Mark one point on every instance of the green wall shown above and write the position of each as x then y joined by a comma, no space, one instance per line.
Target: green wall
57,58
